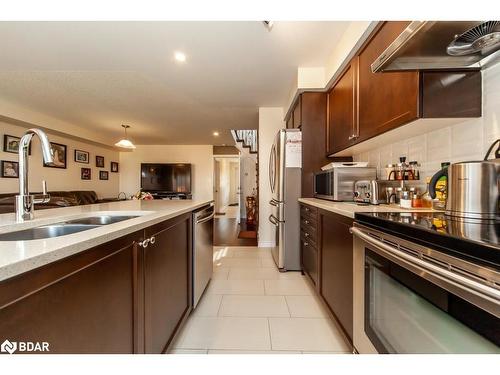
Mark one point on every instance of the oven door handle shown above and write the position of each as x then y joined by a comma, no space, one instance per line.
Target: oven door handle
445,275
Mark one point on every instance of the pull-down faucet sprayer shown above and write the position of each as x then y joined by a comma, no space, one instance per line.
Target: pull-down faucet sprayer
24,201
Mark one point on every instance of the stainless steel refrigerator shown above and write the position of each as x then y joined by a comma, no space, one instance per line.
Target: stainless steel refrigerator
285,162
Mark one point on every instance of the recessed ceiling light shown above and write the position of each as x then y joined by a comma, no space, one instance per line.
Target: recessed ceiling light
216,134
180,56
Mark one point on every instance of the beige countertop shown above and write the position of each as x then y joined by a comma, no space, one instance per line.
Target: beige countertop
350,208
17,257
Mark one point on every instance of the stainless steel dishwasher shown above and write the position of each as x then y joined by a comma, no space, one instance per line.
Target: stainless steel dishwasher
203,240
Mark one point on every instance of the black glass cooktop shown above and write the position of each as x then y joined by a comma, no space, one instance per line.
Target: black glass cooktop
476,239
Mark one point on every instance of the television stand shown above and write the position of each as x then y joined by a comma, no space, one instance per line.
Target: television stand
167,195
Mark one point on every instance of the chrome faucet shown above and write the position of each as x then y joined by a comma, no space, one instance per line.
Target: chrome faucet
24,201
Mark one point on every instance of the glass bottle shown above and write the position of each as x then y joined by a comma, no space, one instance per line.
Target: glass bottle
426,197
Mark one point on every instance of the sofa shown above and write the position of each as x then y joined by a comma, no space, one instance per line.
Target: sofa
57,199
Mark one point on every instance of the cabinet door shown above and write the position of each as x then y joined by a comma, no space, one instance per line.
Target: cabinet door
81,304
336,286
167,281
386,100
342,114
297,113
310,260
289,122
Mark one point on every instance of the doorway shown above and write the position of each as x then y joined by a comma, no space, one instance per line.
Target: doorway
229,227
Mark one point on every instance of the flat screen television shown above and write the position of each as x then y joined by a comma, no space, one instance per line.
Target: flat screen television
166,178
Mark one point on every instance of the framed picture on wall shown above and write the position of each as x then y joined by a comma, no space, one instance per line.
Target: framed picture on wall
82,156
99,161
86,174
9,169
60,155
103,175
11,144
114,167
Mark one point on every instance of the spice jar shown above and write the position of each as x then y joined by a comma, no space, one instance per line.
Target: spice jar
416,200
405,201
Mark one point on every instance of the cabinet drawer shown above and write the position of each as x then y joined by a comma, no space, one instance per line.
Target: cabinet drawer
308,223
308,211
308,233
309,239
310,263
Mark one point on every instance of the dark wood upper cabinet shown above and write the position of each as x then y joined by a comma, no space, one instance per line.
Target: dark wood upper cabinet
167,281
362,104
313,120
342,122
297,113
386,100
289,121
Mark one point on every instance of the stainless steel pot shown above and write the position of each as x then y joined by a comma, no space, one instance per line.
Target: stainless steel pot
472,188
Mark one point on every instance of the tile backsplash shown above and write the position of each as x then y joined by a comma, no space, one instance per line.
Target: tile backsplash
465,140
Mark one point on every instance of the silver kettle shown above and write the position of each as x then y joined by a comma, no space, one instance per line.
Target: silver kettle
472,187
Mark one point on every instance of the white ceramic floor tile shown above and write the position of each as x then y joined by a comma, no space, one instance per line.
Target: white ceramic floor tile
188,351
254,352
246,253
253,273
305,307
290,275
220,273
268,262
209,305
291,287
306,335
225,333
245,287
254,306
238,262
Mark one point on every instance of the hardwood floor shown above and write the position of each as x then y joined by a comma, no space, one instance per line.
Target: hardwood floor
226,232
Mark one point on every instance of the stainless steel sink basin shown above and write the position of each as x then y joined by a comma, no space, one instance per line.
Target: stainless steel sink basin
63,228
46,231
101,220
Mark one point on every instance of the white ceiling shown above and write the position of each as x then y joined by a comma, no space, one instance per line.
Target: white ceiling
99,75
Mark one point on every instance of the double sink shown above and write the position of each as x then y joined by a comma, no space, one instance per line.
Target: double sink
64,228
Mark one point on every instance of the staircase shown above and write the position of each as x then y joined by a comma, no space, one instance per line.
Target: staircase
246,139
248,143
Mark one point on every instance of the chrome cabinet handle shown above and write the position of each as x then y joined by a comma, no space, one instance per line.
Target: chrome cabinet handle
306,234
306,243
152,240
144,243
351,137
306,221
307,209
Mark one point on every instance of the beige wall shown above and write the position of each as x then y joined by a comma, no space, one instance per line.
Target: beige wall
270,122
200,156
61,179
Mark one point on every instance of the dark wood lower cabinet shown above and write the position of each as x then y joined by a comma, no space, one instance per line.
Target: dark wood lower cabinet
115,298
336,272
167,281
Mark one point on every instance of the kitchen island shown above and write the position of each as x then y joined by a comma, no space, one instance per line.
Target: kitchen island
124,287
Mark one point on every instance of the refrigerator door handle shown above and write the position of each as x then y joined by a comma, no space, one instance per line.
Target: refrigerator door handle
274,220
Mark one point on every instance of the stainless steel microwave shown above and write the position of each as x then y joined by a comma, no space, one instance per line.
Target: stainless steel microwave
337,184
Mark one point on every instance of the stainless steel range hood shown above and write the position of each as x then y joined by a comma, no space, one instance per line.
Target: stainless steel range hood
430,45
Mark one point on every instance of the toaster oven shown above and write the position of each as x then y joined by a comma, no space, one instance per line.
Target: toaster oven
337,184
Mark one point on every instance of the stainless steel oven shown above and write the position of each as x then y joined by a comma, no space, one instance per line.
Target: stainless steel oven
413,299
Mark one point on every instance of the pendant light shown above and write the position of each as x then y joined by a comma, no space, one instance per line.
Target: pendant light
125,142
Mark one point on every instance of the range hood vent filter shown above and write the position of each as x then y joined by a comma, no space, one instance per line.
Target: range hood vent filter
484,38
